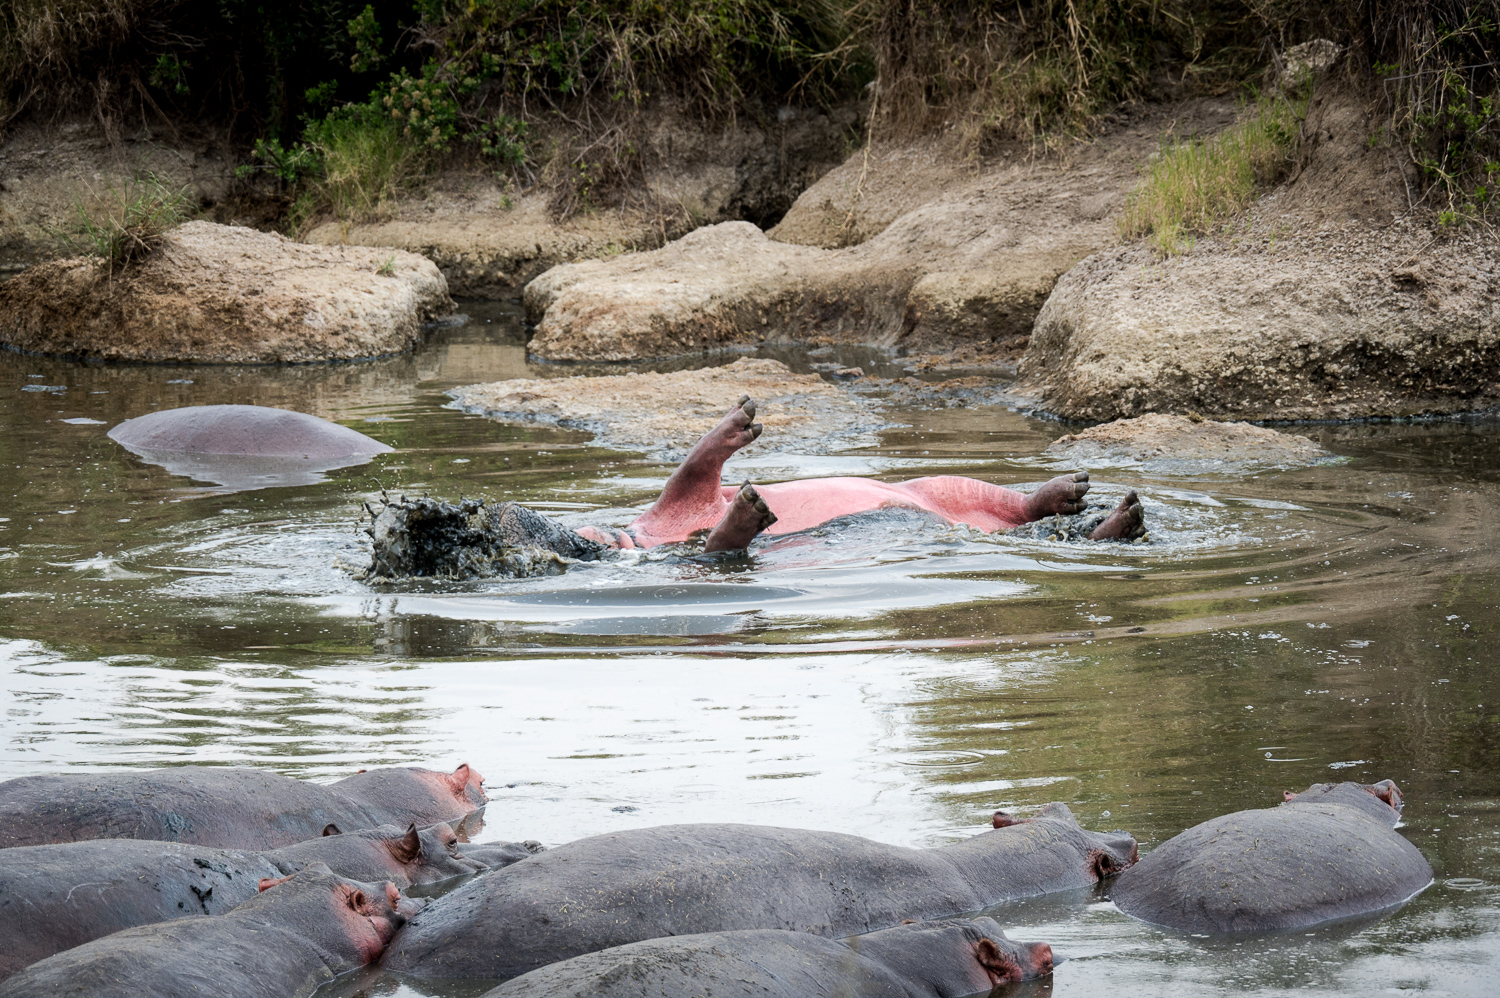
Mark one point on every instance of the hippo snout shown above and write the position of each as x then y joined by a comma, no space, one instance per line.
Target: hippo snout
1039,961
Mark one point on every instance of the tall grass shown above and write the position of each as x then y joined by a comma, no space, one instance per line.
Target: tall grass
1191,187
367,163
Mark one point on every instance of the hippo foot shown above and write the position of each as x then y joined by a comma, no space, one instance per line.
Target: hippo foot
748,515
1063,494
1126,523
736,429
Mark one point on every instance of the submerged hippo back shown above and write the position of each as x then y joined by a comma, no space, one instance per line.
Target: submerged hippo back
614,889
1286,867
242,430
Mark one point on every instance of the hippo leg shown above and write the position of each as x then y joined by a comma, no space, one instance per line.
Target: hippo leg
1064,494
748,515
692,498
1126,523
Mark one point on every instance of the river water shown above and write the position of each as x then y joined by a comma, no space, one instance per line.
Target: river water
896,681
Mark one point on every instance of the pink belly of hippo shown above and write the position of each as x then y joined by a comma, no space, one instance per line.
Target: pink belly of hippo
802,504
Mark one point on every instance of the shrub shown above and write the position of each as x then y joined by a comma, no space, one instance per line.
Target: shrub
1193,186
128,230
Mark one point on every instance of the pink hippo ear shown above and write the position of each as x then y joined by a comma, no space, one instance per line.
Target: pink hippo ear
462,777
1287,796
407,848
1000,968
266,883
1002,820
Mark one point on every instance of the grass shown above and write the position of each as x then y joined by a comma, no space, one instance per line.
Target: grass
366,164
1191,187
131,228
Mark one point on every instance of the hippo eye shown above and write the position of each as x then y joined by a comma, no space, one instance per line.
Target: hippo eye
358,901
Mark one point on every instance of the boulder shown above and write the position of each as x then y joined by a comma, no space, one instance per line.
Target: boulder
1158,442
228,295
948,258
663,415
1346,322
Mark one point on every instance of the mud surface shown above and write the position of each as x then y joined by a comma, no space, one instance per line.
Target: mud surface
1167,443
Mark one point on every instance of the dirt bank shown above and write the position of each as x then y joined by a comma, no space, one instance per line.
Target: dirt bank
663,415
228,295
1331,299
967,263
490,239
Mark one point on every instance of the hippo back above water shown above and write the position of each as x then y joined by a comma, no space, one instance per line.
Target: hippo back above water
231,808
919,960
243,431
647,883
1329,852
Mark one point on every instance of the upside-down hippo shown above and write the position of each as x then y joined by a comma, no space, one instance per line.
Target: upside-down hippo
282,943
674,880
232,808
55,897
428,537
919,960
1329,852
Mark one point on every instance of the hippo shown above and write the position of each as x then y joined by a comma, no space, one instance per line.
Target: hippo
230,808
428,537
1329,852
646,883
244,446
283,942
494,855
54,897
916,960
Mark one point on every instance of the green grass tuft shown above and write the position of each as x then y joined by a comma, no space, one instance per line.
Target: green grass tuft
129,229
1192,187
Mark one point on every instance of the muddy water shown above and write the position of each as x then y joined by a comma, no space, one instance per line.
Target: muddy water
893,679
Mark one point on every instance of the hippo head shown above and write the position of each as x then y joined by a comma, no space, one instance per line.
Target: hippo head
1381,800
956,955
422,795
1107,853
428,855
350,920
464,785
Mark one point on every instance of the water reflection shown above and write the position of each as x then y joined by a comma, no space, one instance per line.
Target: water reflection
900,681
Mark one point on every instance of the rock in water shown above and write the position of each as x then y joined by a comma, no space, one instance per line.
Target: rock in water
226,295
244,446
1163,443
1329,852
430,537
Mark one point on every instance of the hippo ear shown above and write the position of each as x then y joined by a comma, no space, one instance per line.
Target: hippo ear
1002,820
996,964
266,883
461,777
332,829
1287,796
1387,791
408,847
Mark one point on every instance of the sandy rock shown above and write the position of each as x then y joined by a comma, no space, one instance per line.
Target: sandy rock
968,263
227,295
1345,323
1161,442
664,414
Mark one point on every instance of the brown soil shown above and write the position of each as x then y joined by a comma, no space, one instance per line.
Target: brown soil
1160,440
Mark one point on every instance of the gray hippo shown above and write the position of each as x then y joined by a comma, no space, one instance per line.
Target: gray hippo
244,446
917,960
230,808
283,942
54,897
647,883
1328,852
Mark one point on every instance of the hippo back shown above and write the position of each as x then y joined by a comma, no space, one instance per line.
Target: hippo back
623,887
242,431
1279,868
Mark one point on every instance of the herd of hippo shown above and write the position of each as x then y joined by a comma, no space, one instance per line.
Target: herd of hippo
186,881
193,880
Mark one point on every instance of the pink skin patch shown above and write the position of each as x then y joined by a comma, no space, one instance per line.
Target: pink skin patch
464,784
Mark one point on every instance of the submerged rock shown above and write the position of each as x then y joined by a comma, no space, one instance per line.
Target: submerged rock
227,295
1178,443
663,415
432,538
